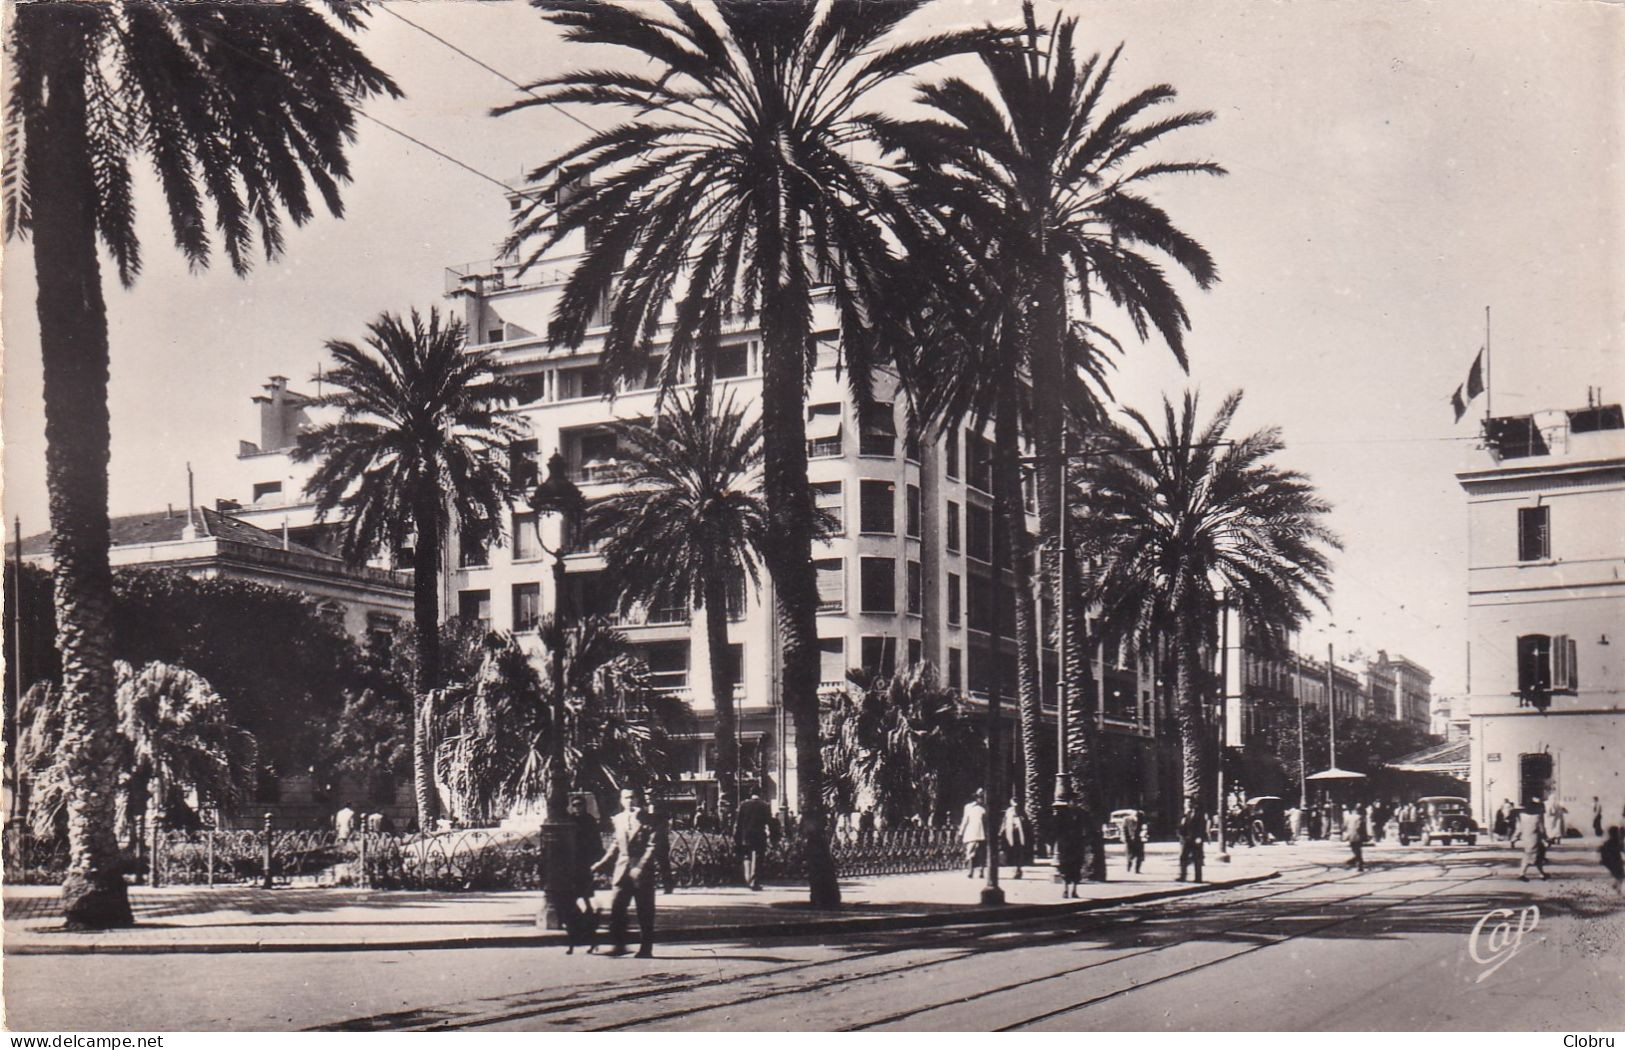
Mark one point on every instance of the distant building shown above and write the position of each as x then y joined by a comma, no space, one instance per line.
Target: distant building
1394,690
1546,609
367,602
1399,690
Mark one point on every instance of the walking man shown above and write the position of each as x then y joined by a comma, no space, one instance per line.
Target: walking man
1354,834
1596,816
973,833
1134,840
1531,834
1192,836
632,852
1016,836
751,835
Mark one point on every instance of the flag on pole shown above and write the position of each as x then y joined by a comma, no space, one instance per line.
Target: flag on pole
1475,377
1474,386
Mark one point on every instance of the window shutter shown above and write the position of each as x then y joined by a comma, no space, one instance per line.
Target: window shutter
1560,662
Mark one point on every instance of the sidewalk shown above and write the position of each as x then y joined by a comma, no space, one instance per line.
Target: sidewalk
247,919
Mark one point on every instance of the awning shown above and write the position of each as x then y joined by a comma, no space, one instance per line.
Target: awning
1451,758
823,427
1336,774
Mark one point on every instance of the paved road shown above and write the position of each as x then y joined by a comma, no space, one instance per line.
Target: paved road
1321,948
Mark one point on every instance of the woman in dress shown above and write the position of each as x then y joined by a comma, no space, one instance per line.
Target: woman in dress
1068,849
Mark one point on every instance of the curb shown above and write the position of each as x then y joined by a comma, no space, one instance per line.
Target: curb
795,928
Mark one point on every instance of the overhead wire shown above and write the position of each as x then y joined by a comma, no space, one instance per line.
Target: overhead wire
486,66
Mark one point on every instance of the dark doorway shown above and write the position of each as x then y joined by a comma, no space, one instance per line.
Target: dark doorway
1534,776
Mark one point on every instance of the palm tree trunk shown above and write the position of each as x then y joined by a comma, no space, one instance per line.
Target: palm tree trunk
1082,751
1189,681
1049,431
722,694
1029,700
426,624
786,339
73,346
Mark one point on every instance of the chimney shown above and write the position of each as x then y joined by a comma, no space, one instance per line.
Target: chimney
282,415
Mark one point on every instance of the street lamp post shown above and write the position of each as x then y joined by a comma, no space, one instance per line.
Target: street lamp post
557,495
1297,697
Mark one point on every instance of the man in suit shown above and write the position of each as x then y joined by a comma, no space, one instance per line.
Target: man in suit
632,851
1192,836
751,833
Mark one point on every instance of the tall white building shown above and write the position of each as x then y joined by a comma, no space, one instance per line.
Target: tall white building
906,578
1546,610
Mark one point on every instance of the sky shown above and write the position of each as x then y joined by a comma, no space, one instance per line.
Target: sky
1394,169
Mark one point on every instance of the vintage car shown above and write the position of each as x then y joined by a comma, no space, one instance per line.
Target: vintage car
1440,818
1269,819
1112,830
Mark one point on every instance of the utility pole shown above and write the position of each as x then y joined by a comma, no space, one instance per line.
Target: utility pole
1224,708
1331,709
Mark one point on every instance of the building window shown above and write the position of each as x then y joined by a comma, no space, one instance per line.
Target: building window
522,464
591,594
581,382
828,498
668,665
831,660
952,527
877,432
979,678
526,544
879,585
950,453
475,606
823,430
527,606
979,533
1029,490
831,584
267,492
979,603
733,666
470,554
1546,665
978,462
880,655
914,584
911,504
1534,533
732,361
736,594
956,672
877,506
916,652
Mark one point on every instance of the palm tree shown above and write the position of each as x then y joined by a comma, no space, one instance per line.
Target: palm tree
496,726
174,732
736,191
235,105
421,443
1046,178
179,735
1183,515
901,742
968,363
688,524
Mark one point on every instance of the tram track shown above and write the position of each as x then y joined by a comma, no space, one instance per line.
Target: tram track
950,937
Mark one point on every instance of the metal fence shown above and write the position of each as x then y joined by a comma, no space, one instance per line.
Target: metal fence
474,859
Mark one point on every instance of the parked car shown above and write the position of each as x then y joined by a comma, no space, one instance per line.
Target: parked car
1440,818
1269,819
1112,830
